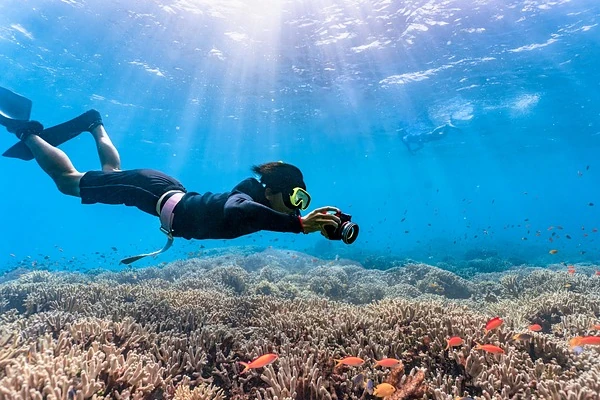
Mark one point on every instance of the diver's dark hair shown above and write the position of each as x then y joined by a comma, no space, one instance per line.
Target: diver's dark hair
279,176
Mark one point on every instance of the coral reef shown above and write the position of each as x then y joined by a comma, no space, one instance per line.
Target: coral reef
179,331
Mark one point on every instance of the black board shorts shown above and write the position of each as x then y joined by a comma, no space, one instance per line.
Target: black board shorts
139,188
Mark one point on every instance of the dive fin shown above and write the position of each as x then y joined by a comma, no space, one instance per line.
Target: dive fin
14,109
13,106
59,134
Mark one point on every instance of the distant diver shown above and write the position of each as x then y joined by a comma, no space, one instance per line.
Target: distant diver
415,142
272,203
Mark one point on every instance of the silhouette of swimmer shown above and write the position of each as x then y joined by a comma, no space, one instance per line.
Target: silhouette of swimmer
415,142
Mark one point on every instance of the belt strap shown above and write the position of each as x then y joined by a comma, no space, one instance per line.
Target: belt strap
166,214
166,224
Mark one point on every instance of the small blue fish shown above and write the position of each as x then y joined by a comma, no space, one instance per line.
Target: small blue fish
578,349
370,387
359,380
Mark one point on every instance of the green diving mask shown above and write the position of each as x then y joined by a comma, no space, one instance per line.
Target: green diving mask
299,198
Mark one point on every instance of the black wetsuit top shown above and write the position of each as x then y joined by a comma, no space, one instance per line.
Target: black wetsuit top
242,211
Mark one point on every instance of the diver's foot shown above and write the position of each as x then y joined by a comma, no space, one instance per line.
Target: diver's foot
26,128
90,119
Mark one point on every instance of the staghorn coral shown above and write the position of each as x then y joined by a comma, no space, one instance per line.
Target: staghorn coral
201,392
298,377
428,279
182,328
331,282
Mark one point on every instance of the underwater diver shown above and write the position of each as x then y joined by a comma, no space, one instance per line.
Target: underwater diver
272,203
415,142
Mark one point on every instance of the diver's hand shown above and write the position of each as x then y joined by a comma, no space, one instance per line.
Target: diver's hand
317,219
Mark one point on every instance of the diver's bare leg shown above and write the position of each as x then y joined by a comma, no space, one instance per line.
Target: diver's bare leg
56,164
107,152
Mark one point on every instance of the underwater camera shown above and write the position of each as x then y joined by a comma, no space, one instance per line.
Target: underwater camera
346,231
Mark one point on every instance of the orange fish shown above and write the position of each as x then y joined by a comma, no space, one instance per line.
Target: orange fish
535,327
553,251
454,341
596,327
570,271
384,390
522,337
259,362
583,340
493,324
490,348
351,361
387,362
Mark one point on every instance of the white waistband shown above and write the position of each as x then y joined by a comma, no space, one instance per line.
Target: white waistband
161,198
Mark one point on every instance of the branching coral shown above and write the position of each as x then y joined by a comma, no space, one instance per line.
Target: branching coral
179,332
201,392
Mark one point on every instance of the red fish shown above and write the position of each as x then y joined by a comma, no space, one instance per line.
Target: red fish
535,327
454,341
259,362
583,340
490,348
388,362
493,324
351,361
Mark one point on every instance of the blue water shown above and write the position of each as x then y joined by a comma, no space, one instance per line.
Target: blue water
202,90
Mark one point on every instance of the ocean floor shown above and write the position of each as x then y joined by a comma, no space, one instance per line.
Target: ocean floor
180,331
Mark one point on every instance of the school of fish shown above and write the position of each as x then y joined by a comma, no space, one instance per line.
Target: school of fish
383,390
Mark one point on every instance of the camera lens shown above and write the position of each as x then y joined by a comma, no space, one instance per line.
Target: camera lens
349,232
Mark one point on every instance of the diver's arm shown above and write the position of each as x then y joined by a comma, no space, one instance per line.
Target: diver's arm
440,132
241,209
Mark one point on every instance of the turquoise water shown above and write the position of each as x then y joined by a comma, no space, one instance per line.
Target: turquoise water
203,90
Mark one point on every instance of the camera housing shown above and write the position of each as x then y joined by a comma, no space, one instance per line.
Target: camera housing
347,231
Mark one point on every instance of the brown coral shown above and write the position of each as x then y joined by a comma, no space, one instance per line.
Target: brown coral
407,387
180,331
